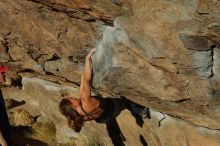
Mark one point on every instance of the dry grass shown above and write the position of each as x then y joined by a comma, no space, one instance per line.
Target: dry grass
44,134
94,140
40,134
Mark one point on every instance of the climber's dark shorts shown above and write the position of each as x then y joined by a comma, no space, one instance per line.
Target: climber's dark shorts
111,109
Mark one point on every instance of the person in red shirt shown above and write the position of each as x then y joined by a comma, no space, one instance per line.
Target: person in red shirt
5,136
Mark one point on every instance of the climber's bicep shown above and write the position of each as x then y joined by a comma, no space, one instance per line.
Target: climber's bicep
85,91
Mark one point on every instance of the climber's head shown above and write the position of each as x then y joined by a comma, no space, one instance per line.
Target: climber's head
68,108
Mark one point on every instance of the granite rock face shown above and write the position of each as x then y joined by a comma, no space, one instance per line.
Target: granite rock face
162,54
168,57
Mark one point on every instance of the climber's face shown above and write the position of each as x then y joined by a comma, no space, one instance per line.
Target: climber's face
74,102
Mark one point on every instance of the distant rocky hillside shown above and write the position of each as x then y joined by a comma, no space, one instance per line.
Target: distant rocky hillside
163,54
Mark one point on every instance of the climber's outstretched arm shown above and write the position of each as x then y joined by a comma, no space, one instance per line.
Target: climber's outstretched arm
86,79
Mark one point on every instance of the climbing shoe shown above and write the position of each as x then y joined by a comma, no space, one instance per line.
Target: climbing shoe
146,113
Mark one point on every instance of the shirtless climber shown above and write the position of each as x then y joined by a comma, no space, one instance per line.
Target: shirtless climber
97,108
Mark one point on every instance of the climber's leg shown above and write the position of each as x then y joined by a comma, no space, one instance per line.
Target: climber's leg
135,108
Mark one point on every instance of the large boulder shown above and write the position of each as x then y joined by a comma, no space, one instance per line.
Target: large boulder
161,54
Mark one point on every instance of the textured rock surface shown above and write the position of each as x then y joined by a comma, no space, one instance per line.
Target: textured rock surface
162,54
165,57
23,118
